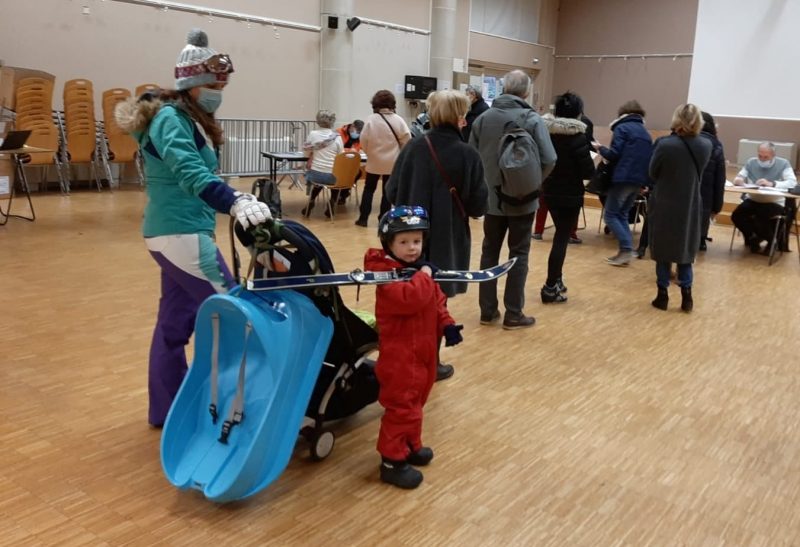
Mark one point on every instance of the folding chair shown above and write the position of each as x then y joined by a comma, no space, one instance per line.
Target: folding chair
345,167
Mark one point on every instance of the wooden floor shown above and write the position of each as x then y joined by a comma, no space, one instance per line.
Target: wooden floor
608,423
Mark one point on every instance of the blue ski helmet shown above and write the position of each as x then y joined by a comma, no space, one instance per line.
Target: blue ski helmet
402,218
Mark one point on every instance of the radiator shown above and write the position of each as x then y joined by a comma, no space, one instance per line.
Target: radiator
749,149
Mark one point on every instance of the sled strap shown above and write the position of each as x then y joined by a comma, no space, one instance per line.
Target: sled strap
212,408
236,414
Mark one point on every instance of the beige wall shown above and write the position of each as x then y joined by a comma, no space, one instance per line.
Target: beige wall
502,53
622,27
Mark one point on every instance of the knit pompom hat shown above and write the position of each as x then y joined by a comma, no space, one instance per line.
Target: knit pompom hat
190,70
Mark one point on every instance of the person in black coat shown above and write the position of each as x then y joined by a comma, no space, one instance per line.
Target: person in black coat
563,188
416,179
712,185
477,108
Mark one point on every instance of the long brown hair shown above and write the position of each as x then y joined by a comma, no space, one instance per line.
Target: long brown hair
206,120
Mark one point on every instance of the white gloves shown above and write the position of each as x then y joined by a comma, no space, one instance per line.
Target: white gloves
249,211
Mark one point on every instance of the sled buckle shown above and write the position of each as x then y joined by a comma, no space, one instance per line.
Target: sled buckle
212,409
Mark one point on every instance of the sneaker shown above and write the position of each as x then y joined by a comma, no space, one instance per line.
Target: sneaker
443,372
488,320
551,295
362,223
622,258
421,457
522,323
537,237
575,240
560,285
400,474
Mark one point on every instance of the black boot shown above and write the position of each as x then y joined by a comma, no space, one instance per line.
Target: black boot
423,456
444,371
686,299
400,474
662,299
550,294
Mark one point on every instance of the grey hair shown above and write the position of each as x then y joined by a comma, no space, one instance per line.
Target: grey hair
326,119
474,90
516,83
768,145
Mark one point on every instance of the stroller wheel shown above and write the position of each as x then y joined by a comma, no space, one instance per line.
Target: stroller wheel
322,445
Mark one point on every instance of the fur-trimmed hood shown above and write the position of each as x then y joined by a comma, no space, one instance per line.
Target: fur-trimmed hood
563,126
133,116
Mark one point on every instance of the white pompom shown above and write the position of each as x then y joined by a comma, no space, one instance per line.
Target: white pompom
197,37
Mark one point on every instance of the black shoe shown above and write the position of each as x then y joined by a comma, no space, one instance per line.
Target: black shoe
327,213
444,371
551,295
662,299
640,252
488,320
574,240
606,230
560,285
521,323
687,304
421,457
537,237
400,474
703,246
306,211
361,222
755,245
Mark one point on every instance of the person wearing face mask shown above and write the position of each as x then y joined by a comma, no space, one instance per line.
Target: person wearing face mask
176,130
753,216
351,137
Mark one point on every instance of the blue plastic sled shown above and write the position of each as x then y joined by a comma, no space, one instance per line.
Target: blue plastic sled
285,350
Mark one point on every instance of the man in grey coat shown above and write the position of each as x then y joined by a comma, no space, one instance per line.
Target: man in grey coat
502,217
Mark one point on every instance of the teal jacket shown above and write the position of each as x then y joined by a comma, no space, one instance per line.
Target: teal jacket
179,165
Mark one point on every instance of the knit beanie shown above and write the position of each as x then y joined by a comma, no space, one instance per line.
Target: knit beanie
189,69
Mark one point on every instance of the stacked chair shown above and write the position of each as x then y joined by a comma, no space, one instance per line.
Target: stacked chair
34,100
144,88
121,147
80,125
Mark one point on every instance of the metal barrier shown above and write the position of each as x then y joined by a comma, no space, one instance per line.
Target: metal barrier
246,139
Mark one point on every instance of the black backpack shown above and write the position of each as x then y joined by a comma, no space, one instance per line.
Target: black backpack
267,191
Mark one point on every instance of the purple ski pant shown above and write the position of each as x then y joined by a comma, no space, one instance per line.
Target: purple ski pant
181,296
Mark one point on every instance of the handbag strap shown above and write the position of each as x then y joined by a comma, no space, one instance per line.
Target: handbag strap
453,191
391,129
694,160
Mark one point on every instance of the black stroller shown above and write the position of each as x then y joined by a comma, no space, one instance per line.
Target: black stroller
347,381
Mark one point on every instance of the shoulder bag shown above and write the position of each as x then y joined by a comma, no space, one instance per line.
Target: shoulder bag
453,190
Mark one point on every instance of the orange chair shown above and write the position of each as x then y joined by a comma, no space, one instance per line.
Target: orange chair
144,88
122,148
345,168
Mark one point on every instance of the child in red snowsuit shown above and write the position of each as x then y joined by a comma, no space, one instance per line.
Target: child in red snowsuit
412,317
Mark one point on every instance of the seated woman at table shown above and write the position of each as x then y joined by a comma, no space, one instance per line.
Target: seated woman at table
322,146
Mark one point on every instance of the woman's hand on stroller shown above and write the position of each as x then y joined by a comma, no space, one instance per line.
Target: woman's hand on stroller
452,335
249,211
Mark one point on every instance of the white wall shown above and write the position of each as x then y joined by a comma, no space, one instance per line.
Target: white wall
746,58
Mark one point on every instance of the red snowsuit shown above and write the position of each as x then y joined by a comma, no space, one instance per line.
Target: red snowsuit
411,319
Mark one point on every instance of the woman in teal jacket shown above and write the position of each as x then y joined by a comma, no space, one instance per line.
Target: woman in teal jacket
184,193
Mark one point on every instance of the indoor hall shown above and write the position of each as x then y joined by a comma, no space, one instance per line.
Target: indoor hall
607,423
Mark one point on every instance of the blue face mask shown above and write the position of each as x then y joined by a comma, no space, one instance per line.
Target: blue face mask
209,99
354,135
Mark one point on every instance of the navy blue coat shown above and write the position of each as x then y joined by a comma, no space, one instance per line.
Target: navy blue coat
630,151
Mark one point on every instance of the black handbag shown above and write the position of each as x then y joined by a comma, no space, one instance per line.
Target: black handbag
601,180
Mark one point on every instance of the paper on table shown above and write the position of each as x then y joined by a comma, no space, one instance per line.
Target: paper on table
5,187
728,184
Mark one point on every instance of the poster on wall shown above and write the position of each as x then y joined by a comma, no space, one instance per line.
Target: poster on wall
492,88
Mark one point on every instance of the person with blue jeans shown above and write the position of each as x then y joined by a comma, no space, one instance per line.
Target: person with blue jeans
629,153
676,204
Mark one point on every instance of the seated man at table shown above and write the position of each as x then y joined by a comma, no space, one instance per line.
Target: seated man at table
753,216
351,137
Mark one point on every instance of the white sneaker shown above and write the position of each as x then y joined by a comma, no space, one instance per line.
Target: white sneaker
622,258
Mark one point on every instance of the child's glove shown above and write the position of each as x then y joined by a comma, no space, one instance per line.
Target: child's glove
452,335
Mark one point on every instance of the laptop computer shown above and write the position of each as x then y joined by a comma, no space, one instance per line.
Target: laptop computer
15,140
